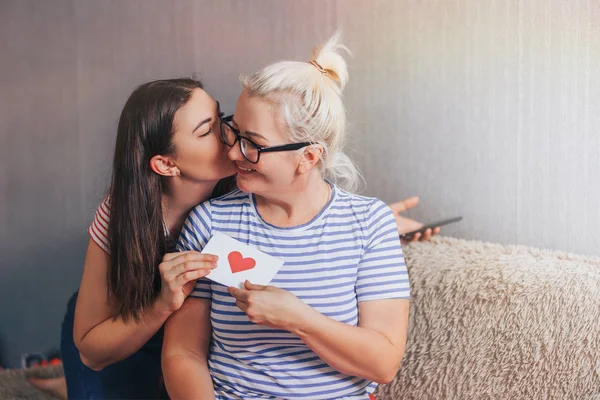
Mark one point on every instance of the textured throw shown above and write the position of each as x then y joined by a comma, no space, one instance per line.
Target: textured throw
499,322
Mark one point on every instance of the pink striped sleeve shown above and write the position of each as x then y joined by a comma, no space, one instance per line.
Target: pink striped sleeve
99,229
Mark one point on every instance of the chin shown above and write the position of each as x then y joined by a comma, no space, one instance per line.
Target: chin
251,184
244,184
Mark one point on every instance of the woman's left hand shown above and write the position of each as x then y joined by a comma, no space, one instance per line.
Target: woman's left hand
269,305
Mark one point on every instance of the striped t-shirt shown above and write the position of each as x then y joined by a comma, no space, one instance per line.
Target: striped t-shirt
98,231
348,253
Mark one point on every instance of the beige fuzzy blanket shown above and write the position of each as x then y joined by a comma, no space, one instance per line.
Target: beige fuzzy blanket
487,322
499,322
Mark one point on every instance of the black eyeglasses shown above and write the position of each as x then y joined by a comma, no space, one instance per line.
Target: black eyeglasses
250,150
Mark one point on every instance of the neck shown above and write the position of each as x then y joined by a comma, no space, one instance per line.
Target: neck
296,206
179,200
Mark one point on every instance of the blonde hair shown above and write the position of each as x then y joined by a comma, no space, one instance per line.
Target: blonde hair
309,97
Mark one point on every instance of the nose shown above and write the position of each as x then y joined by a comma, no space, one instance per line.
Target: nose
235,153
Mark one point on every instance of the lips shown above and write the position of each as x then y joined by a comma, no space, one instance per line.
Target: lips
243,170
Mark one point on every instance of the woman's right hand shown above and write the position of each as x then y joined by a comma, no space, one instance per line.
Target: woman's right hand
406,225
179,272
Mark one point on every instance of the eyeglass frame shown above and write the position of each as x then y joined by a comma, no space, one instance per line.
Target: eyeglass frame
260,149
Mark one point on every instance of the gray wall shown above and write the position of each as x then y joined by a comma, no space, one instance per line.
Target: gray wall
487,109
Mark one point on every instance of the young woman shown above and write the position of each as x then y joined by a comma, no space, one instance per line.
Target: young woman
333,324
168,157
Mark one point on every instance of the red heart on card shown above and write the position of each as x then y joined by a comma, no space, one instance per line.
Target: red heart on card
237,263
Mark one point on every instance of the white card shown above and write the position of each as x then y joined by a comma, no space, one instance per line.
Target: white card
238,262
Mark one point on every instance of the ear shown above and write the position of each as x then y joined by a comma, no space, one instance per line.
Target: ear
164,166
310,158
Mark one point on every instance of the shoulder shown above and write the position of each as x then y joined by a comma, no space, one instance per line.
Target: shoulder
374,216
363,207
104,208
235,197
98,230
206,211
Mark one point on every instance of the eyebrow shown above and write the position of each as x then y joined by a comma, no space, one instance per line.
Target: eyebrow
250,133
207,120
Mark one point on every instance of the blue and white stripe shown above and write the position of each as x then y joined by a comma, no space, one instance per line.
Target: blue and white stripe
348,253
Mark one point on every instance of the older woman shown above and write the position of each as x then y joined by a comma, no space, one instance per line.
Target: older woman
333,324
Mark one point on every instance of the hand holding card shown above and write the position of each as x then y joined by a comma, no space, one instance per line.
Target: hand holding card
239,262
271,306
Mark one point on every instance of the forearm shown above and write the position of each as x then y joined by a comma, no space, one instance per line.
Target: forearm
185,352
352,350
187,377
114,340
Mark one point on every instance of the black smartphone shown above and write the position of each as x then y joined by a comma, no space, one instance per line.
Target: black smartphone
409,235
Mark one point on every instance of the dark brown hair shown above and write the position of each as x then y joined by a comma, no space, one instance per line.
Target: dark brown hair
135,231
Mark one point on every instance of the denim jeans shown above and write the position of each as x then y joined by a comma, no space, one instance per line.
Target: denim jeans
136,377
